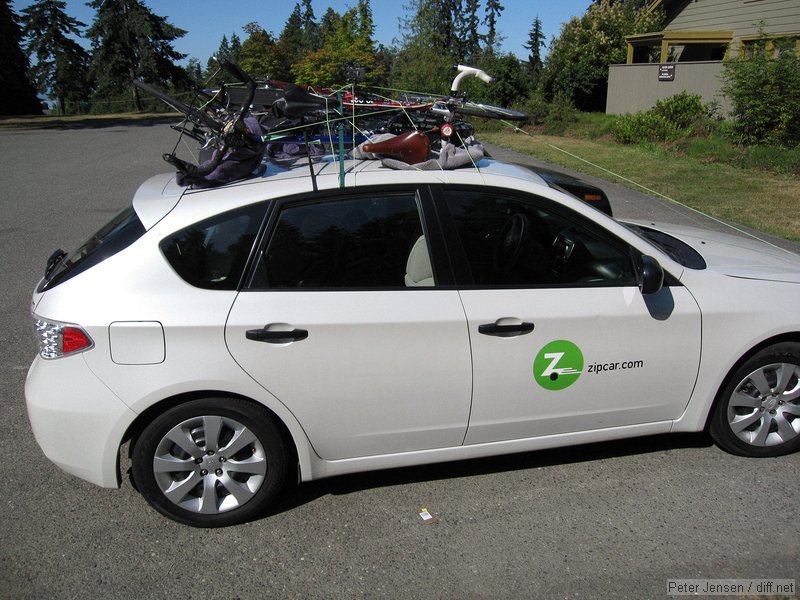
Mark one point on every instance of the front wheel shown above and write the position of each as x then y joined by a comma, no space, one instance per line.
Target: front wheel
758,410
210,462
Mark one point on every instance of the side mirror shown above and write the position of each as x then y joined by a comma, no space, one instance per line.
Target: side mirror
649,275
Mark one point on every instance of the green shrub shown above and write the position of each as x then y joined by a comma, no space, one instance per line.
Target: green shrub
764,88
683,109
562,112
537,109
645,127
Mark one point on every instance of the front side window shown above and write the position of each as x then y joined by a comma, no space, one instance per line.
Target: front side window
212,254
366,242
514,241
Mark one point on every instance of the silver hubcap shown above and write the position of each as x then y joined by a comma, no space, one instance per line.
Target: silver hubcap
209,464
765,408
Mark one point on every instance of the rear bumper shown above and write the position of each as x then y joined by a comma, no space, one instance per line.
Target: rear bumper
76,420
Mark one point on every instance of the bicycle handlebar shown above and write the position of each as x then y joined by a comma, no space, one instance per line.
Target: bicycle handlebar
466,71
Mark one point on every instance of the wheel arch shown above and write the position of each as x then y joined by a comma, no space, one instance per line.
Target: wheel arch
790,337
136,428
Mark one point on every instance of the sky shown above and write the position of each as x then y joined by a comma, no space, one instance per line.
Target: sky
206,21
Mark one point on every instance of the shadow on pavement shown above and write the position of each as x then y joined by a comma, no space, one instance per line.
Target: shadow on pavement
295,496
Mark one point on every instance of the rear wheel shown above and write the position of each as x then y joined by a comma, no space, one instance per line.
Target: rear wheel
758,410
210,462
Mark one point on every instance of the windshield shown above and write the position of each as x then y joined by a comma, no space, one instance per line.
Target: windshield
119,233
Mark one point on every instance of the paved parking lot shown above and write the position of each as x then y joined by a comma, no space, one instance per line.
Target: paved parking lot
610,520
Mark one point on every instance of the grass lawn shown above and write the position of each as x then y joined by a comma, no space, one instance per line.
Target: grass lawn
764,201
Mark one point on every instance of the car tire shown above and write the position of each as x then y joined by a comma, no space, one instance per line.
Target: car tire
757,412
211,462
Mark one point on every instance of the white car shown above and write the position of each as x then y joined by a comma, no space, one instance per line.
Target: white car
332,325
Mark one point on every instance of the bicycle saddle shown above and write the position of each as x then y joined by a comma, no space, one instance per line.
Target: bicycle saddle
411,147
297,102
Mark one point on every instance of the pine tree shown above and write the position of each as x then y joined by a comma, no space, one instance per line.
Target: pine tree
235,49
493,11
19,96
469,32
62,65
535,44
311,35
366,24
131,42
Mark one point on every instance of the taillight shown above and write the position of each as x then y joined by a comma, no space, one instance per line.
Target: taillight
60,339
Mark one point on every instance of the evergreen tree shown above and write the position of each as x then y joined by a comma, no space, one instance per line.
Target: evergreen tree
535,44
130,42
62,65
224,49
19,96
493,11
195,71
328,22
366,24
311,34
235,49
290,47
214,75
469,33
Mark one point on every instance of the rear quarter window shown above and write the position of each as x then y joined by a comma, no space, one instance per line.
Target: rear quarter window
212,254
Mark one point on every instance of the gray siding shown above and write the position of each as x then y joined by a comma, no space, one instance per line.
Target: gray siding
739,16
633,88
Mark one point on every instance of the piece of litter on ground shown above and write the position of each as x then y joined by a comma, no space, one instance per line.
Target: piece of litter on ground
427,517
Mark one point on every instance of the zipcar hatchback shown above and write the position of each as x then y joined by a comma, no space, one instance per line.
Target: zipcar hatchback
291,323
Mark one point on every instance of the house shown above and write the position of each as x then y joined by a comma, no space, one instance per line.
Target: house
688,54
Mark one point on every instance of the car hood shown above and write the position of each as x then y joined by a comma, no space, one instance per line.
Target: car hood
737,256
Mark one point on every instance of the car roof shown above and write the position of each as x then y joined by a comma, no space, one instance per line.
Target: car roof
160,194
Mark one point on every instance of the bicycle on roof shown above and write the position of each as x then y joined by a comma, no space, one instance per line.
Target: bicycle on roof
234,139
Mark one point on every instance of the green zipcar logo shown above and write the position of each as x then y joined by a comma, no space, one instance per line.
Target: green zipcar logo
558,365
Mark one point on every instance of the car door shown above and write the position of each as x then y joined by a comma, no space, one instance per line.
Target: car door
562,339
345,322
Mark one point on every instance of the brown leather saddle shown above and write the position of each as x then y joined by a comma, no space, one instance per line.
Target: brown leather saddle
411,147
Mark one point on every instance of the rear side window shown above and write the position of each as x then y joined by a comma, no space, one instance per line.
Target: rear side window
212,254
116,235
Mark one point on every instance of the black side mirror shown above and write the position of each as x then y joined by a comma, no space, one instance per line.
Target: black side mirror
649,275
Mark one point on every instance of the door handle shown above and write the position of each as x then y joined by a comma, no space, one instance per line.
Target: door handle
276,337
509,330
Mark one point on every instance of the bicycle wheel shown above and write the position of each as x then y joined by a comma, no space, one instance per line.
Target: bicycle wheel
487,111
192,114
